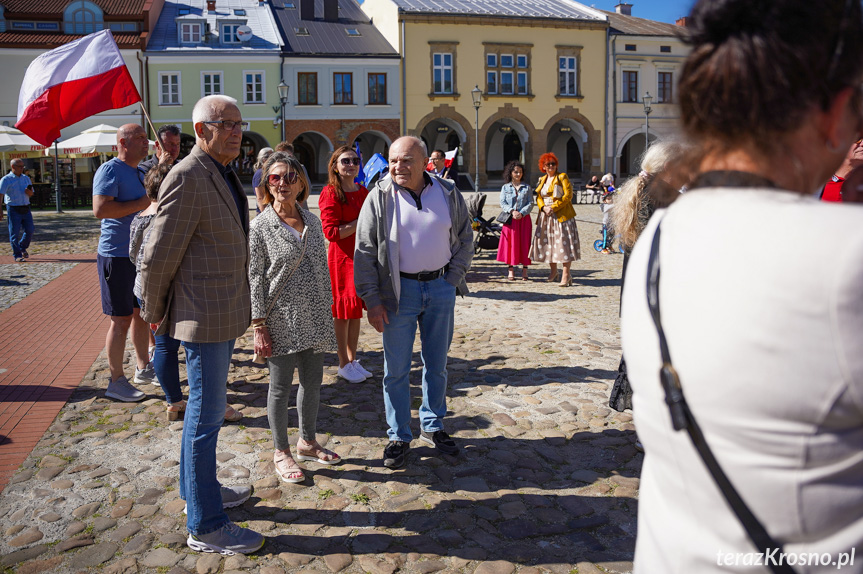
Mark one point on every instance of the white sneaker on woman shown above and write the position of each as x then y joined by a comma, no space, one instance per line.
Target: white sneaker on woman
350,374
359,368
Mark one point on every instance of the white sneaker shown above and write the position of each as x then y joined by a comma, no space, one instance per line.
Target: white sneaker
350,374
359,368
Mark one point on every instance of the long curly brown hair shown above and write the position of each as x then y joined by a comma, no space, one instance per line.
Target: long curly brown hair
333,177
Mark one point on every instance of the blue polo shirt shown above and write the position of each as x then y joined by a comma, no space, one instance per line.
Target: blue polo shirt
124,183
14,189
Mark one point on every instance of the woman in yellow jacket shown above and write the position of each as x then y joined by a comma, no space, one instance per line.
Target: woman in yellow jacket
556,237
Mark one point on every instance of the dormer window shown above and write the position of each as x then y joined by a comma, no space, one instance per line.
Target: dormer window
82,17
229,34
239,12
352,32
301,31
190,32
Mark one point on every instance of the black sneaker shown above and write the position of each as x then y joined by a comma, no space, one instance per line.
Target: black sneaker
441,441
395,453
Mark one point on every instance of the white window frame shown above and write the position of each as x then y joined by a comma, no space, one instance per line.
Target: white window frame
163,101
262,87
491,75
213,74
511,76
442,68
659,73
571,75
623,91
518,84
491,60
511,61
518,58
190,28
233,36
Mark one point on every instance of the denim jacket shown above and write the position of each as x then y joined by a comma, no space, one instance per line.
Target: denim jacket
520,199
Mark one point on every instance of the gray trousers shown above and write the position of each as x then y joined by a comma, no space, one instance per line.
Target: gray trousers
311,367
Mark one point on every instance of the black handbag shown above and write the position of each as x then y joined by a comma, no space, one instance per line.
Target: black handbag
683,418
504,217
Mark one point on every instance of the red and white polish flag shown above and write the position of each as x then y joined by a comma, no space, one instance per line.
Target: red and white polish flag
447,160
73,82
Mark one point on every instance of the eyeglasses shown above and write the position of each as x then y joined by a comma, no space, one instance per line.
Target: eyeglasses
229,125
550,164
289,178
350,161
437,159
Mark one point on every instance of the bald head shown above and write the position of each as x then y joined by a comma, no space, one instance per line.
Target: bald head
132,144
408,158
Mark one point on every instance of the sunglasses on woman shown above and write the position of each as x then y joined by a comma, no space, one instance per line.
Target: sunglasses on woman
289,178
350,161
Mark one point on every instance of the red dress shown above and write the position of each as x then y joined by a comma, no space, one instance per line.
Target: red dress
340,256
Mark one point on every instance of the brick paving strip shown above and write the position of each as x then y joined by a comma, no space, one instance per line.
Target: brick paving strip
44,354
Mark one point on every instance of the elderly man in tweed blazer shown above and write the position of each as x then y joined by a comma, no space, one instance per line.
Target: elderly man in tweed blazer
195,283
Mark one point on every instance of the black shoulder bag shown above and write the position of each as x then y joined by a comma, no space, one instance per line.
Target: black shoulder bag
682,418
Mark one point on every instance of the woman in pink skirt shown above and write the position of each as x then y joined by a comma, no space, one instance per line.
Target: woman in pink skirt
516,198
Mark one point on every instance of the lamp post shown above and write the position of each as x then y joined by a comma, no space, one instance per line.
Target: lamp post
476,96
283,97
647,98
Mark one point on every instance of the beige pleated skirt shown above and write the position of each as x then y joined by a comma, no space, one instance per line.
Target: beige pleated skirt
555,242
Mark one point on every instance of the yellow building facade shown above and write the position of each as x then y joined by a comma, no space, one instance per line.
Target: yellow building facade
541,70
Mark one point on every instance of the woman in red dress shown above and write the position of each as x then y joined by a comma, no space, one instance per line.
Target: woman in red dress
340,204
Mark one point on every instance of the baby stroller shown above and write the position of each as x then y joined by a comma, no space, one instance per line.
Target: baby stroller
487,233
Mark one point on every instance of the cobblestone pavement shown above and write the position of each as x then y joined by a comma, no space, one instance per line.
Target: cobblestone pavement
547,479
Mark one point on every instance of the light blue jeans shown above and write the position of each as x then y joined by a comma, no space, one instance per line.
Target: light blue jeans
166,362
431,305
207,367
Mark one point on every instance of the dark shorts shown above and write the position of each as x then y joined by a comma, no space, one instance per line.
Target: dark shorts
116,281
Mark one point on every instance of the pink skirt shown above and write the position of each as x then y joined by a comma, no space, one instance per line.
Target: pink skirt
515,242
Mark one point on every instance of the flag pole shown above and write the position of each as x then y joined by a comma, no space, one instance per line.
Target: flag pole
59,196
149,121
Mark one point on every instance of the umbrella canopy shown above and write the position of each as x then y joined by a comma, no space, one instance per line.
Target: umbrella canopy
96,140
15,141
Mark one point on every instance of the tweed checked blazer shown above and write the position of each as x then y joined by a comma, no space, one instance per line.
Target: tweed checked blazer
194,273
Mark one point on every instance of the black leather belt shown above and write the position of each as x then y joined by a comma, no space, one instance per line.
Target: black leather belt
426,275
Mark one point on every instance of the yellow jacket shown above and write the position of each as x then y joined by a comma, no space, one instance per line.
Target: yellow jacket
562,207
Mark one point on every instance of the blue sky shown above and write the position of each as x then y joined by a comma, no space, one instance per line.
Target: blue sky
662,10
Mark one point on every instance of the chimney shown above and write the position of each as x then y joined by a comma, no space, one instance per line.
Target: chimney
331,10
681,22
307,9
624,8
211,5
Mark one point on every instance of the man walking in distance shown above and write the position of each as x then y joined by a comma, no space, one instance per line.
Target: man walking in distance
414,247
118,194
195,282
17,191
167,148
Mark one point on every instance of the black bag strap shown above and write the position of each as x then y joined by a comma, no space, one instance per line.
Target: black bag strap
682,418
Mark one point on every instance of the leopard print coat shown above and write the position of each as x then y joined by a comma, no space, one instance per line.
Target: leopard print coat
302,317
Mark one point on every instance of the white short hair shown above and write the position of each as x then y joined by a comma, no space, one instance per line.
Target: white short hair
205,109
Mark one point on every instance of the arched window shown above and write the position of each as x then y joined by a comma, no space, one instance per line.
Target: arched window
82,17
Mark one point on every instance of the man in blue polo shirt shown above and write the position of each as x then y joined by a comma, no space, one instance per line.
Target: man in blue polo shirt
118,194
17,191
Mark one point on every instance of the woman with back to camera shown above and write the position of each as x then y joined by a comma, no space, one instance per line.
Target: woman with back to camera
556,237
340,204
763,324
516,197
291,301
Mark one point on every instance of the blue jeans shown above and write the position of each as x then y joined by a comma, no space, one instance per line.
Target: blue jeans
207,368
167,365
431,305
16,222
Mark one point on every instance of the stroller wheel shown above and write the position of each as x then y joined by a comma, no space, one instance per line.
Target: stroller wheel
598,244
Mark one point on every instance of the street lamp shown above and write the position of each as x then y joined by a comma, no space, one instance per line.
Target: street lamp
283,97
476,96
647,98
